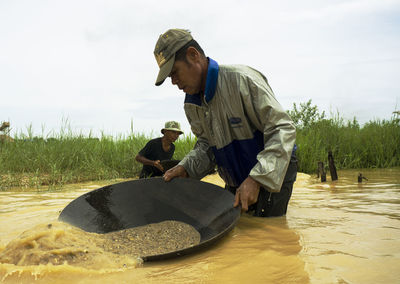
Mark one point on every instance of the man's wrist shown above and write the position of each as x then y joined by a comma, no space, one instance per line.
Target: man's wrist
255,182
183,171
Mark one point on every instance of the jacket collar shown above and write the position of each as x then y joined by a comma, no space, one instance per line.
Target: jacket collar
212,77
211,84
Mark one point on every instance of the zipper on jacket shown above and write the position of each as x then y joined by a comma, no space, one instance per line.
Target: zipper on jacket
269,198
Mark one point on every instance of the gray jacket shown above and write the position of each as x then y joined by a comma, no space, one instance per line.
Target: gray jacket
241,127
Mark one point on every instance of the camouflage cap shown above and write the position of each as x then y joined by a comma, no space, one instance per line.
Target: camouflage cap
173,126
167,45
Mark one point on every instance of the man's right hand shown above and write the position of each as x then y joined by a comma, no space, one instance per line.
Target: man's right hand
177,171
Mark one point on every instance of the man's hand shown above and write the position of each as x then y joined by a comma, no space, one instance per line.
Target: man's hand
158,165
177,171
247,193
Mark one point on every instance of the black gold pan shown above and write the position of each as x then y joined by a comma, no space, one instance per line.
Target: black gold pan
206,207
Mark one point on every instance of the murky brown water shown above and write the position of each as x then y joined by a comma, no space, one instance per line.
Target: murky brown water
334,232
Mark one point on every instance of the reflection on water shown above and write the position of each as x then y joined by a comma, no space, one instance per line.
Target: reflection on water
350,231
334,232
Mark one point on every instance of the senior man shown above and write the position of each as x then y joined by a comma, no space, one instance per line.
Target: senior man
239,125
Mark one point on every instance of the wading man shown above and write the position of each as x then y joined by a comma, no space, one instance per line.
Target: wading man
239,125
159,149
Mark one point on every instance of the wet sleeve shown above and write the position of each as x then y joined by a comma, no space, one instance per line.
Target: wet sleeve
278,130
200,160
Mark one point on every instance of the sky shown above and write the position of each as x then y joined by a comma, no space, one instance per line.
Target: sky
88,65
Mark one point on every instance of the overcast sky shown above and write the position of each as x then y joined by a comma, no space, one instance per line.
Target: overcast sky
91,62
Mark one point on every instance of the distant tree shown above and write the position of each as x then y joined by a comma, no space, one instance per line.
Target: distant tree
305,115
4,126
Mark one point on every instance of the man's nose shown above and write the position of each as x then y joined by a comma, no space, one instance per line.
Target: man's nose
174,81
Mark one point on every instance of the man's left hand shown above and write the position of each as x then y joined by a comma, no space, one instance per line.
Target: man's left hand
247,193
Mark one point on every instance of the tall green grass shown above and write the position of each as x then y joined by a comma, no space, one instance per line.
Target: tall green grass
66,157
375,145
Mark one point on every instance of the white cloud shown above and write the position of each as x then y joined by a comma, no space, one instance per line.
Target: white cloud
92,61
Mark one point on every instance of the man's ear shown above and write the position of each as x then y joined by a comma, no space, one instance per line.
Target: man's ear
192,54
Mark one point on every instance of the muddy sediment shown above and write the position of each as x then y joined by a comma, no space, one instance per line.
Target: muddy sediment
59,243
152,239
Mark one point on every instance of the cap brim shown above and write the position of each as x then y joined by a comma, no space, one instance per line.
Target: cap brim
165,70
171,129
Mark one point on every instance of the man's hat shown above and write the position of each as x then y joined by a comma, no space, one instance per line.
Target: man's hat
173,126
166,47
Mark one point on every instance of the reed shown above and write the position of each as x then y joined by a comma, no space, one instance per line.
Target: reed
66,157
375,145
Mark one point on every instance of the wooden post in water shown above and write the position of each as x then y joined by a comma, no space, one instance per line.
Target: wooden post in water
361,177
321,171
332,167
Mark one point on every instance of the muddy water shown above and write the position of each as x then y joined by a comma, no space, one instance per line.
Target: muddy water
334,232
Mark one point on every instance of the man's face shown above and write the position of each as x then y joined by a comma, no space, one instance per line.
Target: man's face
171,135
187,76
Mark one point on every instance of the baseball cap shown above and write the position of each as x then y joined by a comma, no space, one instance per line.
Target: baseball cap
167,45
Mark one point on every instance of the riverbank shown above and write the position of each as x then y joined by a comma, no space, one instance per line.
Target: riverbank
65,158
